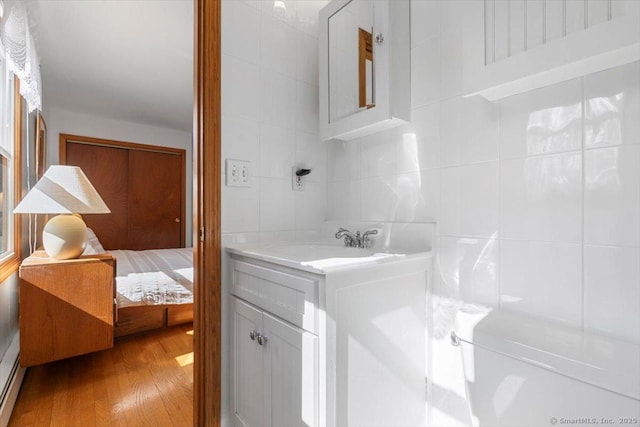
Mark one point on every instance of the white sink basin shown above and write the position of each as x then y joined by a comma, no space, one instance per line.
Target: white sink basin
316,257
311,252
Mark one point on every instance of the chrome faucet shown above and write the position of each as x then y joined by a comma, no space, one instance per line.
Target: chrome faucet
355,240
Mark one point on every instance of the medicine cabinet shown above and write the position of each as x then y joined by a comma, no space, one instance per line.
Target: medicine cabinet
364,67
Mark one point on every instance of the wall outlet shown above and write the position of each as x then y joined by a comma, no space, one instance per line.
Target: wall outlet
238,173
298,181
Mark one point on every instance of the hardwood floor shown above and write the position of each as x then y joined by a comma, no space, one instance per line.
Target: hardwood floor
145,380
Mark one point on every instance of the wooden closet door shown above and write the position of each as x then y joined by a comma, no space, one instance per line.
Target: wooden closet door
155,200
108,170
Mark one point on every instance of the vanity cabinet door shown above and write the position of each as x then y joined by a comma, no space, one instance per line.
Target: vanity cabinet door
247,397
291,375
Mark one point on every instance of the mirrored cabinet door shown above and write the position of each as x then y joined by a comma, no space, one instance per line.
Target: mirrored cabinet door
364,67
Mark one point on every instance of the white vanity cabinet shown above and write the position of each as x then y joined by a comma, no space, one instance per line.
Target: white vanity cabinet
316,346
275,370
274,362
364,60
512,46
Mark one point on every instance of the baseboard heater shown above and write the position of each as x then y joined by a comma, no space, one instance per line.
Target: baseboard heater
11,375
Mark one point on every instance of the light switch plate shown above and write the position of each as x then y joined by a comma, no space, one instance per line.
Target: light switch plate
238,173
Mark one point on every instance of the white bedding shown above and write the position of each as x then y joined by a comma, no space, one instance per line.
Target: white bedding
154,277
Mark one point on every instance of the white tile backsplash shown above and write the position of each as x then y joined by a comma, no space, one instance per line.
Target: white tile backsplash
277,151
541,198
277,45
311,206
612,291
470,200
418,196
241,30
307,15
344,200
379,198
307,108
378,154
468,131
241,212
543,279
278,99
242,83
311,153
548,120
241,139
470,266
269,106
425,72
307,59
612,196
418,143
284,10
612,105
277,205
344,160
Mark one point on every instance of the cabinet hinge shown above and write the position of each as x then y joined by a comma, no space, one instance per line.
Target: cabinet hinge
201,234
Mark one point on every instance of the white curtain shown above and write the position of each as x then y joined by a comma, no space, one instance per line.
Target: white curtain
19,50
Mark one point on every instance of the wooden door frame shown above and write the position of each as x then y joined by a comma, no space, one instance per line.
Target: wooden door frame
206,214
180,152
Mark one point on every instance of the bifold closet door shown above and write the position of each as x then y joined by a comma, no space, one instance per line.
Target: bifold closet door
155,200
108,170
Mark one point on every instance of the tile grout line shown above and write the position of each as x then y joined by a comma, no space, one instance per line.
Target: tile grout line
499,240
582,210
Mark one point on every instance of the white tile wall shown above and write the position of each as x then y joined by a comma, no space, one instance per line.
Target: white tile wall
612,196
542,279
541,198
612,107
545,121
537,196
270,118
270,115
611,291
470,200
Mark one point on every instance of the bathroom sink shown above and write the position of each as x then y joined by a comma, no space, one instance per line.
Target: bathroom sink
318,257
310,252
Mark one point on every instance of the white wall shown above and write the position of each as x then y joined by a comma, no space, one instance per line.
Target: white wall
537,197
62,121
270,118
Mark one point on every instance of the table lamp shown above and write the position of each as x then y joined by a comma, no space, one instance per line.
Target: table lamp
63,190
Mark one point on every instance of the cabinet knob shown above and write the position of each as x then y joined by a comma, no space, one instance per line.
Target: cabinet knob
262,340
252,335
177,220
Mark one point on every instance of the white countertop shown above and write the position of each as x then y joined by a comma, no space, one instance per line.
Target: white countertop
322,258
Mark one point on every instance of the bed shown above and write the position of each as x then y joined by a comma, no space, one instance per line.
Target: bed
154,288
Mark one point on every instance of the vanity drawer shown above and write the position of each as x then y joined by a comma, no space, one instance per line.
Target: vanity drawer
292,298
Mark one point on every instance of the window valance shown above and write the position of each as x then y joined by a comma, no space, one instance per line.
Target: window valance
19,50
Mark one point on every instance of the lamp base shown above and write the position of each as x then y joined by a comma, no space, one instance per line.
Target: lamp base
64,236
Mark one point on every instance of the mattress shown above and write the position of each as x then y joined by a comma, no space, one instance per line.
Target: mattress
154,277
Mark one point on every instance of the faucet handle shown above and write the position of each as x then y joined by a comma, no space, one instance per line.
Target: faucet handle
365,237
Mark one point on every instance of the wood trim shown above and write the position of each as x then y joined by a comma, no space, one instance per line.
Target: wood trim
64,138
77,139
365,52
11,264
207,249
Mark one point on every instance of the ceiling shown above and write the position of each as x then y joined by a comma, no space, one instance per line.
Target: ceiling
128,60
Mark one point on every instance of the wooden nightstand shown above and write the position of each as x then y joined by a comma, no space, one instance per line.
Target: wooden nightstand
66,307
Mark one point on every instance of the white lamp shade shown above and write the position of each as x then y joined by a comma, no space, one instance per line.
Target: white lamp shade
63,189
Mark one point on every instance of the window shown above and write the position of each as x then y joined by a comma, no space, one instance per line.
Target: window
10,172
